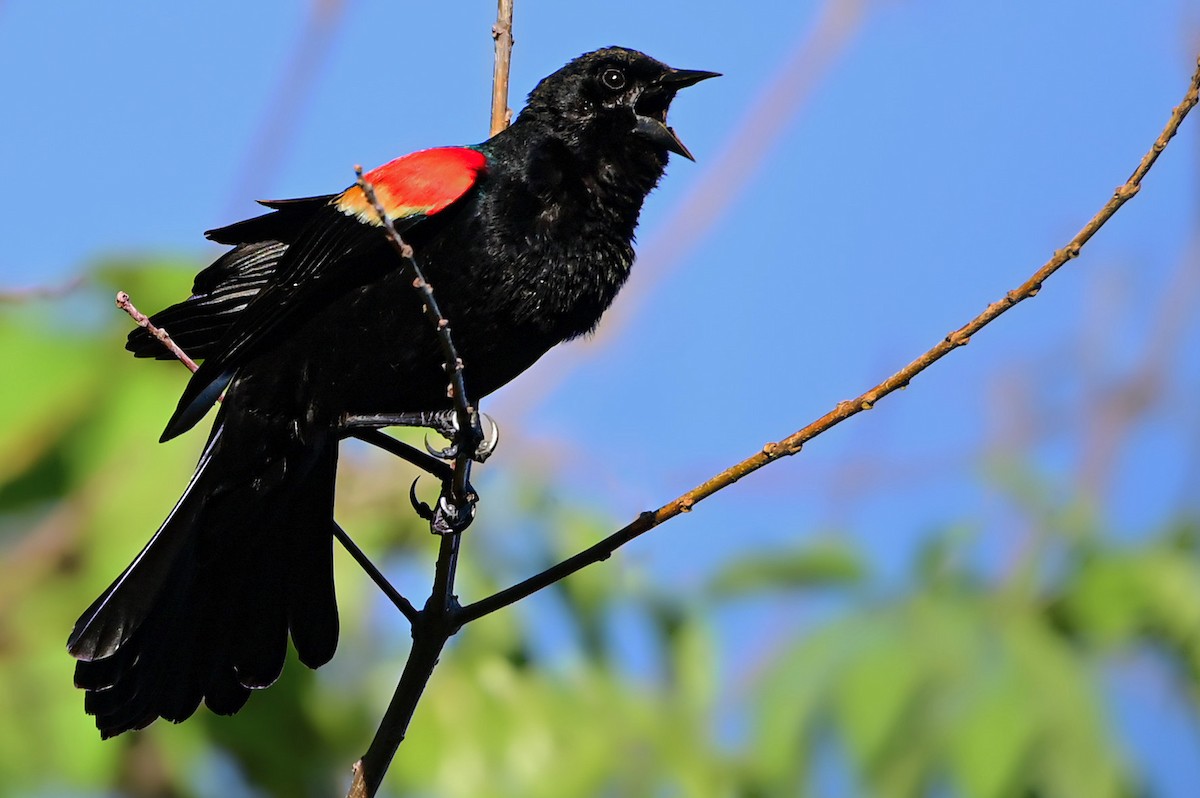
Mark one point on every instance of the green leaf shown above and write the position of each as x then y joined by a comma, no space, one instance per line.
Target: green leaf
993,735
829,563
874,695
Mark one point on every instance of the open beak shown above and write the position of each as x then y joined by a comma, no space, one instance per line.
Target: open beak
652,125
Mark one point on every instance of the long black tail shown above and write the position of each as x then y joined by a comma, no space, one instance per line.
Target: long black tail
204,611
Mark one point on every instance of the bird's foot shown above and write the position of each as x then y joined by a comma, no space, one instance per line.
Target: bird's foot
446,517
484,436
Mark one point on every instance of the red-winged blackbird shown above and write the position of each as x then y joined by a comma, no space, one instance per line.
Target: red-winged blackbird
310,319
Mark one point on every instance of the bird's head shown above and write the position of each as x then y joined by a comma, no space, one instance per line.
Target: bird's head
617,94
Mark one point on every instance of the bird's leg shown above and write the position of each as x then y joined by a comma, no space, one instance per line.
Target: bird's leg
434,419
486,432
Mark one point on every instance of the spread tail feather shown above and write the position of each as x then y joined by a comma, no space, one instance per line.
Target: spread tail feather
205,610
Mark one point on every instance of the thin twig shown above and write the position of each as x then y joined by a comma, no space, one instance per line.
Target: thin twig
844,410
434,624
158,332
502,33
404,605
469,434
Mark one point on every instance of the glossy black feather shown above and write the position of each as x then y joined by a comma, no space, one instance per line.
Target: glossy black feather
288,218
204,613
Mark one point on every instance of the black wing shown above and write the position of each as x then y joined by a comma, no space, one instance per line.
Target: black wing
224,289
220,293
324,261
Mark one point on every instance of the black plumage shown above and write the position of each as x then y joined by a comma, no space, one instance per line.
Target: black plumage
310,318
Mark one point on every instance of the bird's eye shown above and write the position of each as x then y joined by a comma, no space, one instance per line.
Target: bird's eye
613,79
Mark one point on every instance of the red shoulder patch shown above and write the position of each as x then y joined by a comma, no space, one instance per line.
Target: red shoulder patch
422,182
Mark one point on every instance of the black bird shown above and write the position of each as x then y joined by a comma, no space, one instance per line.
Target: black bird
309,319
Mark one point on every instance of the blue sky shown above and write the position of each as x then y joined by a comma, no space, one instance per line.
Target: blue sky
943,153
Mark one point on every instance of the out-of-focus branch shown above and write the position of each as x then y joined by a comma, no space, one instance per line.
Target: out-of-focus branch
18,295
809,64
847,409
1119,404
286,103
46,546
502,33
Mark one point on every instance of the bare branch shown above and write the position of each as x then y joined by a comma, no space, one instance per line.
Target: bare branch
432,626
502,33
143,321
844,410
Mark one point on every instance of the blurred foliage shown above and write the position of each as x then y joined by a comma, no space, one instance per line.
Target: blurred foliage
951,684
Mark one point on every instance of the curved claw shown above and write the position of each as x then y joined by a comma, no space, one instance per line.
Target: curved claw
422,508
491,438
448,453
